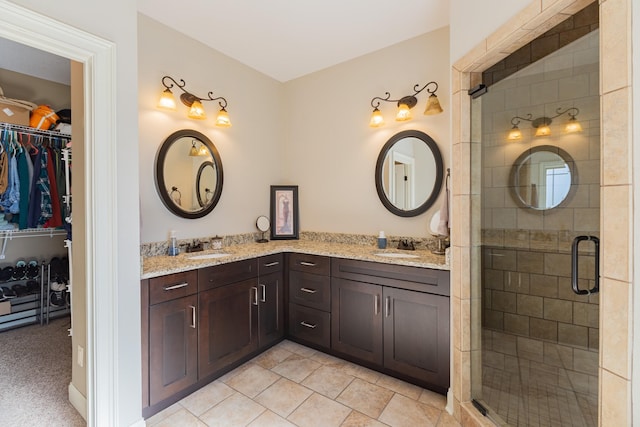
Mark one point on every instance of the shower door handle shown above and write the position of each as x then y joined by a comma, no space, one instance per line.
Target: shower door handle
574,265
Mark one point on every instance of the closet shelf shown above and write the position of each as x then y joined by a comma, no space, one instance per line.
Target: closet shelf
34,131
32,232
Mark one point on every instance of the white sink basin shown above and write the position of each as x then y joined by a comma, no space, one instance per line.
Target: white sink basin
208,256
396,255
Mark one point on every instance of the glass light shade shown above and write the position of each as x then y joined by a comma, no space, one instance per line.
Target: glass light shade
376,119
167,101
197,111
193,152
433,106
573,126
404,113
203,151
543,130
514,134
223,119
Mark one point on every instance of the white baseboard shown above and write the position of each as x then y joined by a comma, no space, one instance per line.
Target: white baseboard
449,407
140,423
78,401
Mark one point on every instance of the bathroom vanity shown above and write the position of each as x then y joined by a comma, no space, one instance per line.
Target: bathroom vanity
200,321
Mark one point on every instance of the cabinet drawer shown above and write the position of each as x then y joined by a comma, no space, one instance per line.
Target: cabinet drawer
315,264
172,286
310,325
310,290
270,264
224,274
398,276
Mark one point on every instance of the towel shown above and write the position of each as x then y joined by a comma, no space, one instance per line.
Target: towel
443,225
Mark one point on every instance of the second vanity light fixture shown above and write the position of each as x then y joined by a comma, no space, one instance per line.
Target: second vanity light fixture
541,124
405,104
196,110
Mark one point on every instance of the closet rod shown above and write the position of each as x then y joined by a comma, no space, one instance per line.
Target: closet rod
29,129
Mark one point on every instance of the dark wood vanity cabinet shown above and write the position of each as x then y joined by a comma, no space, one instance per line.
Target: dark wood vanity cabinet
241,311
271,326
169,346
392,316
310,299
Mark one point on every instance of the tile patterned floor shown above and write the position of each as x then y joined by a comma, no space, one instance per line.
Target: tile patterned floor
532,383
293,385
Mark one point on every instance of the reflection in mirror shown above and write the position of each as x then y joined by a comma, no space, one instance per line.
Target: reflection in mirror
543,177
189,174
205,183
409,173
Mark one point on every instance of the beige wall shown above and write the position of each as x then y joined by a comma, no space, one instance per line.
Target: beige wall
36,90
78,272
251,150
331,151
312,131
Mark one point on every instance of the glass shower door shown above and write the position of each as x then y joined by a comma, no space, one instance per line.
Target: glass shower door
539,166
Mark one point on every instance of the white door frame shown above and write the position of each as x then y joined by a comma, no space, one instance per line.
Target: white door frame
98,57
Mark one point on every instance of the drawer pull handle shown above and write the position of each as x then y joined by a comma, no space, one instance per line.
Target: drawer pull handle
309,291
263,291
308,264
255,295
272,264
308,325
387,306
193,317
174,287
376,305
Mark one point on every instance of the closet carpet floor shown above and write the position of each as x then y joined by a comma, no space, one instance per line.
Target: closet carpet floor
293,385
35,372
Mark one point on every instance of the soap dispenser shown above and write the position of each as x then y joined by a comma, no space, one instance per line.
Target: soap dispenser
382,240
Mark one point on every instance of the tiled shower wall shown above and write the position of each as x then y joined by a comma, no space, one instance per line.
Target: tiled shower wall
526,264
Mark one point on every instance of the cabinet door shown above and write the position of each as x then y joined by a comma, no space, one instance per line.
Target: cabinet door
416,335
228,325
270,308
172,347
356,319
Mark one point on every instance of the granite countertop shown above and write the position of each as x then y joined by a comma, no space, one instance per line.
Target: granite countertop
160,265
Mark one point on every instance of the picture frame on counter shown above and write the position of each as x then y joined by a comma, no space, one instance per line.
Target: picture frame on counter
284,212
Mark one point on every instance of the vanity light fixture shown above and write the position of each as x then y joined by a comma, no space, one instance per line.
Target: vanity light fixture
195,152
405,104
196,110
541,124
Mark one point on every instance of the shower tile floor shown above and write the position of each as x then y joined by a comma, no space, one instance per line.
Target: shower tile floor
293,385
529,382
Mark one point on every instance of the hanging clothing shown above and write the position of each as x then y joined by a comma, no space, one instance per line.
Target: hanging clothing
4,171
11,198
46,209
56,218
23,176
35,195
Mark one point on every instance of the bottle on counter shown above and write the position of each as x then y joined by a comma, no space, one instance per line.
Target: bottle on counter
382,240
173,244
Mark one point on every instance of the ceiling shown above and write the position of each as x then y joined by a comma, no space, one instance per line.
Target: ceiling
283,39
286,39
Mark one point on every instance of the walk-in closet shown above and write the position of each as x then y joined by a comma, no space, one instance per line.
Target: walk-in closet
36,285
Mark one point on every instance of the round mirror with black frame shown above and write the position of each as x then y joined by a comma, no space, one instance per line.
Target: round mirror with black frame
409,173
543,178
188,174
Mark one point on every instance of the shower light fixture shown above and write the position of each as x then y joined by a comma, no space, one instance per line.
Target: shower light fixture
405,104
196,110
541,124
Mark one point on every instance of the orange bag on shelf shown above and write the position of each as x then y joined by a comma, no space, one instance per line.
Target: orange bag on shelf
43,117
